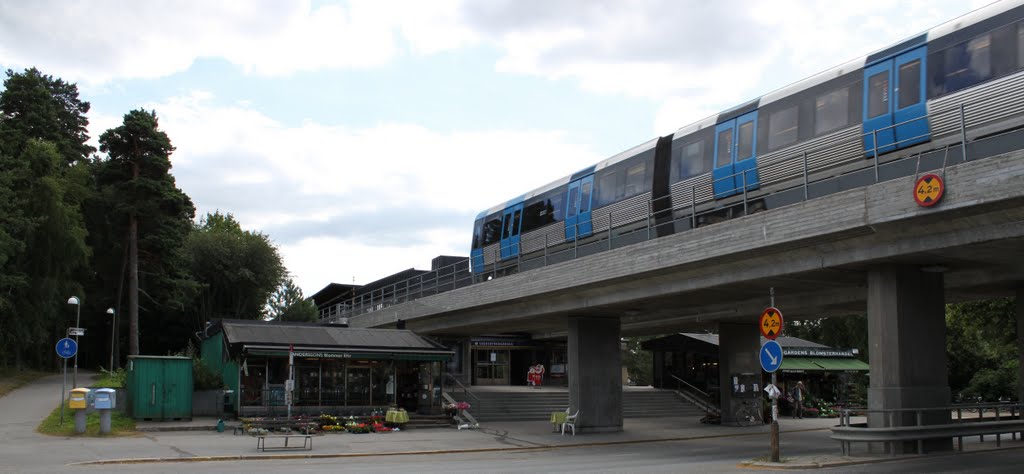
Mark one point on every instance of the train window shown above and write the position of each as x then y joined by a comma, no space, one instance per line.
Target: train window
478,229
635,179
782,127
609,187
573,201
1004,50
492,230
745,148
724,148
556,206
1020,44
508,227
585,189
878,94
968,63
515,221
910,84
691,163
830,111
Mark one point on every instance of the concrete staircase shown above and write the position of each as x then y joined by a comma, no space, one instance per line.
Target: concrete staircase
529,404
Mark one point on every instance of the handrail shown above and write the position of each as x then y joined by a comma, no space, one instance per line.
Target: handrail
703,402
703,393
892,432
465,389
793,171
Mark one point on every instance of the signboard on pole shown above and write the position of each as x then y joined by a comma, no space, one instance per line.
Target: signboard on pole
76,331
67,347
771,356
770,323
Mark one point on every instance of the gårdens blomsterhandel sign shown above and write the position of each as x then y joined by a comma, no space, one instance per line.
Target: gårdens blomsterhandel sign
816,352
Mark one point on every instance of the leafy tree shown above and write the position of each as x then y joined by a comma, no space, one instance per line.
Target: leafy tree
288,304
236,270
981,346
37,106
844,332
137,183
638,362
42,249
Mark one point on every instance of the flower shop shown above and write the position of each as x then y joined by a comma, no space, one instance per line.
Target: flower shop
332,370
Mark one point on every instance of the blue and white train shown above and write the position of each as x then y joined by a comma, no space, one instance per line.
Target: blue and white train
846,127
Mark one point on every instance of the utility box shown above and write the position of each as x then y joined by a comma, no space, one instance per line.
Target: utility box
160,387
104,399
79,399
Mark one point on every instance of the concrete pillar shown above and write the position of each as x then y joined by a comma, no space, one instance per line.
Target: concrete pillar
595,374
907,337
1020,343
738,367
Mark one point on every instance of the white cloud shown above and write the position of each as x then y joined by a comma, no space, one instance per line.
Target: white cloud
332,196
97,41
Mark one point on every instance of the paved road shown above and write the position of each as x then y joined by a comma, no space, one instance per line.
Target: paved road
644,445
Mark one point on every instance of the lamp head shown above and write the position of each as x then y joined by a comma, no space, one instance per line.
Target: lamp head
73,300
110,310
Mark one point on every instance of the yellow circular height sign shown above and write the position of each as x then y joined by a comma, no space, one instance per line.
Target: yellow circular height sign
928,190
771,323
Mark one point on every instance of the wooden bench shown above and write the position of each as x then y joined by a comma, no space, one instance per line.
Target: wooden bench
307,442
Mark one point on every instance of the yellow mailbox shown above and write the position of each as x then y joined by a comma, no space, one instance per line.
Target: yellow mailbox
79,399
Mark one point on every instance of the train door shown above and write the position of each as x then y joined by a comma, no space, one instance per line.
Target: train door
735,155
578,212
510,224
894,102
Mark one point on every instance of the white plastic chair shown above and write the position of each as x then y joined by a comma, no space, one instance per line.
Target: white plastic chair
570,421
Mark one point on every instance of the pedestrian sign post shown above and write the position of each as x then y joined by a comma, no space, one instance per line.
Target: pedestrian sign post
67,347
770,323
771,356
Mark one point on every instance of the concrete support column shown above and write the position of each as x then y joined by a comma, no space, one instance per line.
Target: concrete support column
739,367
595,373
1020,343
907,337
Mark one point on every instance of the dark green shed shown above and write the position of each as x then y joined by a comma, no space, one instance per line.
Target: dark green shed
160,387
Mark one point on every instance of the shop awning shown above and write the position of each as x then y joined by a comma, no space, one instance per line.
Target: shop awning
838,364
822,364
798,364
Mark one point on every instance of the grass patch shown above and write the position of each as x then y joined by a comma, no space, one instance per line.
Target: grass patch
120,424
115,379
11,379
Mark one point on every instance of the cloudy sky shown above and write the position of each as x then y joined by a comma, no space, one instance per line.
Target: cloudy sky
364,136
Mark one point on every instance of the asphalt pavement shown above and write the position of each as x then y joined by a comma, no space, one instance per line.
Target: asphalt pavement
24,450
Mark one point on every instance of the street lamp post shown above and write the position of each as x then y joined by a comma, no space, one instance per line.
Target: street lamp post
78,317
113,325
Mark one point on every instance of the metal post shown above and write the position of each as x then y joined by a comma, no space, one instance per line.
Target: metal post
545,249
113,324
693,206
874,147
805,176
650,210
610,230
775,425
63,390
744,174
78,319
963,132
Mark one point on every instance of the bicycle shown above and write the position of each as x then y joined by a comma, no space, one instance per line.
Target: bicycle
748,414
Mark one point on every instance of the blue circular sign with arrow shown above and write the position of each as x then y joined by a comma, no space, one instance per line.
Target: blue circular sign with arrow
771,356
67,347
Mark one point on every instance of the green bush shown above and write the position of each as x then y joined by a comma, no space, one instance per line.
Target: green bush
203,377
